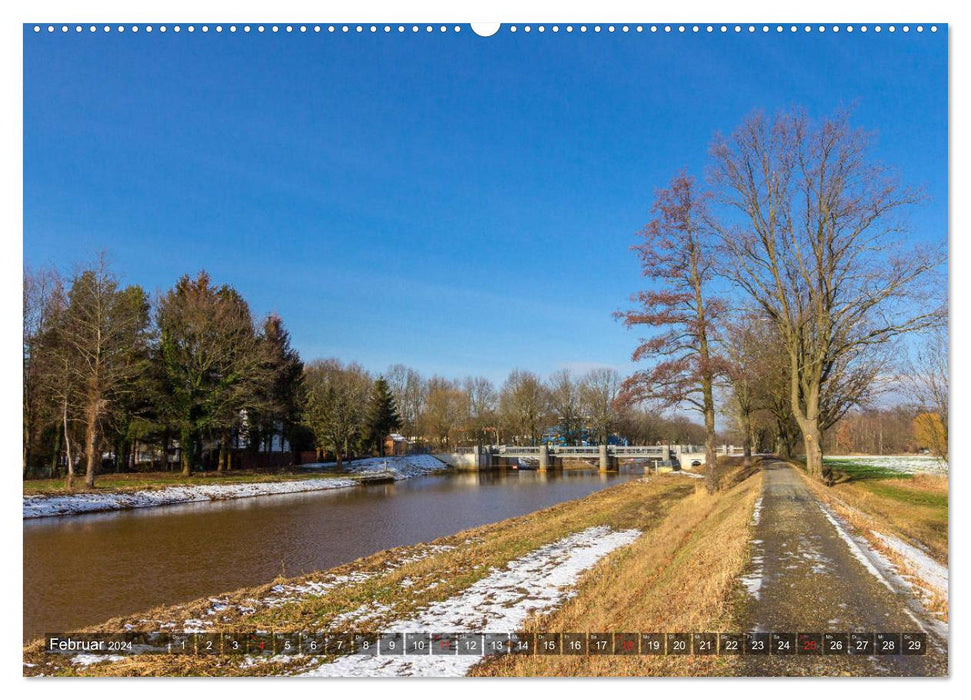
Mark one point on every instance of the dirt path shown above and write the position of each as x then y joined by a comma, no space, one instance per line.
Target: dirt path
808,575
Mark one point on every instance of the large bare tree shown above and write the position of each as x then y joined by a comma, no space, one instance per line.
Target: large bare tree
105,338
446,409
482,401
411,395
677,256
811,232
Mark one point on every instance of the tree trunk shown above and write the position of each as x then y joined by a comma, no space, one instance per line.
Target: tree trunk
90,444
67,447
814,452
57,453
711,458
223,451
26,449
185,452
747,444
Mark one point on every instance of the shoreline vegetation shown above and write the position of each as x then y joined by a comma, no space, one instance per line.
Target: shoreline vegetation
163,489
682,537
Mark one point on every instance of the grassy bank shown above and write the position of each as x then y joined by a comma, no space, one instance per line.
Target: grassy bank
678,575
681,576
912,506
123,483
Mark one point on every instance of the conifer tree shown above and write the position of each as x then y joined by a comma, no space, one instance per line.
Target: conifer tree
382,414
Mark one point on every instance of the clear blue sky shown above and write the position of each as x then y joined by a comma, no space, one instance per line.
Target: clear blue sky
460,204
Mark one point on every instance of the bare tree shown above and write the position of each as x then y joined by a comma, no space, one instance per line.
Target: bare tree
811,236
744,350
445,408
105,336
929,382
677,255
411,394
599,391
43,299
482,401
564,394
523,403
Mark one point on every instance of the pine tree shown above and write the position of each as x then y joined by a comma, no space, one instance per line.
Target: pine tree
382,414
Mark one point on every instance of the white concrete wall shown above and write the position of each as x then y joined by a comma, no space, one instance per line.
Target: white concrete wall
468,460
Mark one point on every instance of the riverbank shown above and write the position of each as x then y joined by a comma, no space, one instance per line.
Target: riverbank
111,497
586,554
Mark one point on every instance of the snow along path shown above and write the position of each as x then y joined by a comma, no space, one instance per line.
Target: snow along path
921,564
811,572
405,467
535,583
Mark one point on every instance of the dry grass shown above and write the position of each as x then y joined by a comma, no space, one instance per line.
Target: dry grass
914,508
436,571
681,577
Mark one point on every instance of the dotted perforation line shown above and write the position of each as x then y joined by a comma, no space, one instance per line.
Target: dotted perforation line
719,28
512,28
248,28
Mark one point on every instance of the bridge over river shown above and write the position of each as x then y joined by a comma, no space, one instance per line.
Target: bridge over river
607,457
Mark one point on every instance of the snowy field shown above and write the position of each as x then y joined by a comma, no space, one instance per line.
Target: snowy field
901,463
46,506
536,583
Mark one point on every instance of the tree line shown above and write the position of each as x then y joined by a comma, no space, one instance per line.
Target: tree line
787,282
109,371
106,368
782,293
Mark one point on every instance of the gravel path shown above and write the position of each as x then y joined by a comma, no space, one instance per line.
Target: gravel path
810,574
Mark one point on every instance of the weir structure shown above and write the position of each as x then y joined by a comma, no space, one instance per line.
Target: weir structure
607,457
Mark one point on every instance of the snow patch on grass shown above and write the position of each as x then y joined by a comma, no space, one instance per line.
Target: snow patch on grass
535,583
922,565
88,659
682,472
46,506
901,463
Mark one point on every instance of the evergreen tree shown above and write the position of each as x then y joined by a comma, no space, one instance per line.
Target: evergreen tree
382,413
281,394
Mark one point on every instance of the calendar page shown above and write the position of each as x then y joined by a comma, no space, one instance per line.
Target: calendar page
448,349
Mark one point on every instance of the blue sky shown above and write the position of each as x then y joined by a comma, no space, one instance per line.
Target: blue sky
460,204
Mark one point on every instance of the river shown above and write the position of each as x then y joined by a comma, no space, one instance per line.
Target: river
82,570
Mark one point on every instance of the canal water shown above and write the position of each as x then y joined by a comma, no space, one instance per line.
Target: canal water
81,570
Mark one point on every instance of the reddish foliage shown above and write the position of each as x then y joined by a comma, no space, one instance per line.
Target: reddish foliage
676,254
